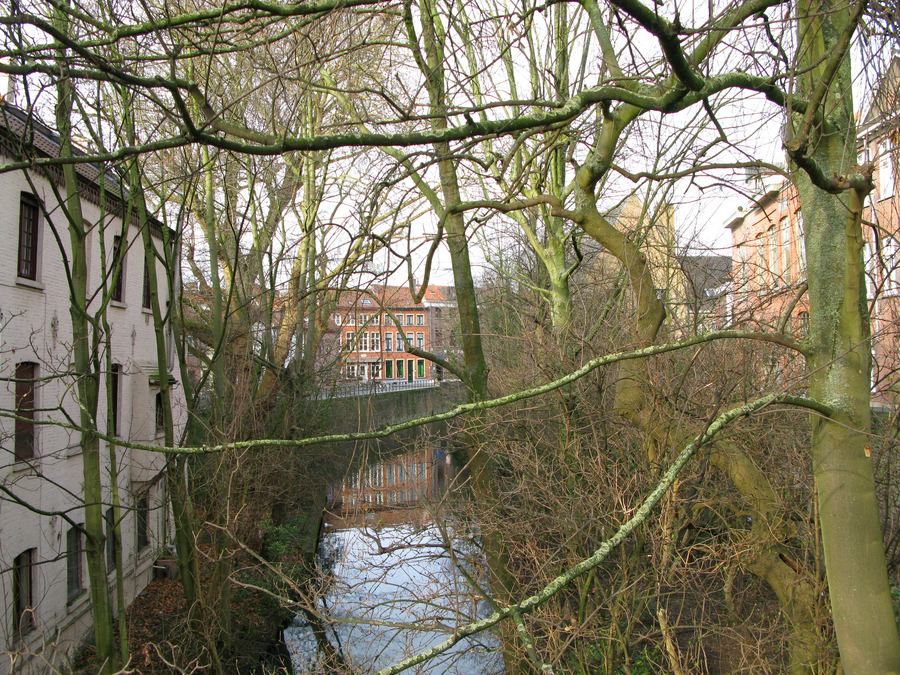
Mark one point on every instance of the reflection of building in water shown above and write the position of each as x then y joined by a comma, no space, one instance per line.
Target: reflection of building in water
392,488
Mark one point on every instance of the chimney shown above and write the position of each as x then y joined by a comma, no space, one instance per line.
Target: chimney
7,94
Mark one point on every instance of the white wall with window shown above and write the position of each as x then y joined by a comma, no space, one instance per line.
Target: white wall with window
44,588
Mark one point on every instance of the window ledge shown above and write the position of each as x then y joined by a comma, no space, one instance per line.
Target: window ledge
29,283
882,198
147,310
118,303
22,465
74,604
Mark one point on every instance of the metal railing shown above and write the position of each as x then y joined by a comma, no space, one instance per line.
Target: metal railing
370,387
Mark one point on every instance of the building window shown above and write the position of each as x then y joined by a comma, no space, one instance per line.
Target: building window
760,263
786,249
409,319
437,313
364,346
388,370
160,414
74,574
388,342
109,517
114,382
885,170
409,340
400,368
889,253
376,319
351,320
348,343
363,372
142,525
803,324
420,319
376,371
420,340
146,302
26,374
774,276
801,243
420,368
117,265
29,237
351,371
783,198
870,267
337,319
23,592
375,339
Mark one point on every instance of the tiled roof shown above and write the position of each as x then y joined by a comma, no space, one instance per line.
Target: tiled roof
393,297
22,134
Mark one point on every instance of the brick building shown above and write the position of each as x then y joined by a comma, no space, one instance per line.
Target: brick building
770,258
372,330
43,575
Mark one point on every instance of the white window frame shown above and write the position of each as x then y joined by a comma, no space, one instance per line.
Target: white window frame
774,261
886,175
890,259
761,272
785,231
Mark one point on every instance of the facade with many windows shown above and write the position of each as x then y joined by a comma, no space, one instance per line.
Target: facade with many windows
376,333
769,254
43,574
392,490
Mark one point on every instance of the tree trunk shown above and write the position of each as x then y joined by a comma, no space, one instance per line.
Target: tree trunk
87,386
839,348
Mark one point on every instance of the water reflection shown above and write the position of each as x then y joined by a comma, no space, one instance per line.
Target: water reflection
399,489
404,577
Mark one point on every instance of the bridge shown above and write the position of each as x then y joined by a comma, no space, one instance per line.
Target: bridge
365,406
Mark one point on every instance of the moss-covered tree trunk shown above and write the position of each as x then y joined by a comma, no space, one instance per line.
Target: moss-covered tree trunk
822,144
86,360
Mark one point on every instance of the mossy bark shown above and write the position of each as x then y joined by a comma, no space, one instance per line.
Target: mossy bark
823,144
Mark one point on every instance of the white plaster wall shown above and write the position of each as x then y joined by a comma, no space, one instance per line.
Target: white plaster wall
36,326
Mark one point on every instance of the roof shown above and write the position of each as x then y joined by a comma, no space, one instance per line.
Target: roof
886,98
706,273
22,135
394,297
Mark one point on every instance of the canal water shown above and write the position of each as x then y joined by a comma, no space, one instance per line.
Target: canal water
399,572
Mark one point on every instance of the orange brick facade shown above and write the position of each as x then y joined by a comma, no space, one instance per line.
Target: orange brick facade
373,332
770,257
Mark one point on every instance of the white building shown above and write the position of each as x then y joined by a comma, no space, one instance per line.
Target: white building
43,575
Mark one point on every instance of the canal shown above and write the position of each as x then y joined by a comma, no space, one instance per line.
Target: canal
400,569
